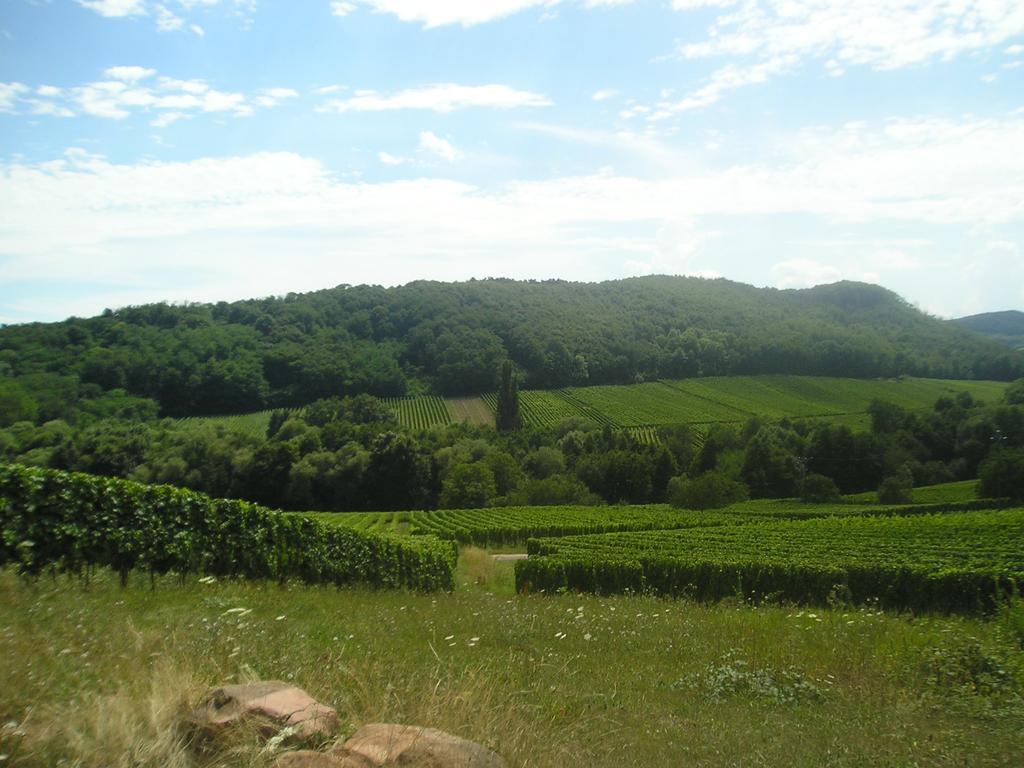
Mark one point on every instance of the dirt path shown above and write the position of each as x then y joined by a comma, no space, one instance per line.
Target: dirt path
509,557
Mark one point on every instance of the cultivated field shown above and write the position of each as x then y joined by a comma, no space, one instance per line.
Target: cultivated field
641,408
254,424
956,561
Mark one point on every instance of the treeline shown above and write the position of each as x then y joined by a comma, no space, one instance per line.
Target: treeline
350,454
450,338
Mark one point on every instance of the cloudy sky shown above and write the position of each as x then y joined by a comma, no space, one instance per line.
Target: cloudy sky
222,149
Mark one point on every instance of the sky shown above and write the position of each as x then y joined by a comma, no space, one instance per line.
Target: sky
206,150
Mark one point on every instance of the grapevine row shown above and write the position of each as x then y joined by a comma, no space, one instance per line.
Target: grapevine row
952,562
71,521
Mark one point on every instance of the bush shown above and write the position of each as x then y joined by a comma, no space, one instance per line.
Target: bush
1002,475
709,491
897,489
819,489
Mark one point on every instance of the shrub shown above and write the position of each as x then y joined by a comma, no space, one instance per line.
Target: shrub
819,489
1002,474
897,489
709,491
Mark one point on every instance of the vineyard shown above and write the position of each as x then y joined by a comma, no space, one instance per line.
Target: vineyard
951,562
419,412
503,526
72,522
641,408
252,424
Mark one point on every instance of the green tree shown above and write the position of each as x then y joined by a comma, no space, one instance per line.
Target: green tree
819,489
507,418
468,486
1002,474
711,490
897,488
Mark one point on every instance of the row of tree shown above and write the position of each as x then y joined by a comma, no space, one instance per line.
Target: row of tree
350,454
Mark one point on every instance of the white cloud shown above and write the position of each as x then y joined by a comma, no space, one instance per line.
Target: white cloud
603,94
435,145
166,118
167,21
115,8
804,273
764,38
170,15
271,97
1015,50
440,97
468,13
131,89
960,176
9,94
386,158
341,7
129,74
439,13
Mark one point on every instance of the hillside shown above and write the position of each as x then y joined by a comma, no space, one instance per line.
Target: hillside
449,338
1005,327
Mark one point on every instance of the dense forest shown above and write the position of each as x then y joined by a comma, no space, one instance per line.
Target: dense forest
451,338
1006,327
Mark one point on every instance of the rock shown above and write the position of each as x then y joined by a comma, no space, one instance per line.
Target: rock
271,705
384,744
309,759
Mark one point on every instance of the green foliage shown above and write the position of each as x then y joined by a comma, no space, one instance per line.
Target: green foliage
712,490
507,416
954,562
771,466
15,403
1014,394
450,338
468,486
897,489
72,521
1002,474
820,489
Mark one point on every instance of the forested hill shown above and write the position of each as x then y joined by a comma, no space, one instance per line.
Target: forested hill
1006,327
450,338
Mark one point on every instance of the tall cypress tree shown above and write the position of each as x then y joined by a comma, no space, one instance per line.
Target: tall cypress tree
507,417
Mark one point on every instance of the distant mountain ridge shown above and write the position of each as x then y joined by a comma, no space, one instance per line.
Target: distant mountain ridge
450,338
1006,327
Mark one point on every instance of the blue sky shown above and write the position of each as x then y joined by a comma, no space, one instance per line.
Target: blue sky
222,149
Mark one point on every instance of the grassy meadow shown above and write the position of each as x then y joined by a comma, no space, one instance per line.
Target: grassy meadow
95,675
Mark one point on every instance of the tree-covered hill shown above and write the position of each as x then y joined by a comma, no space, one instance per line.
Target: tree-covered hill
451,337
1006,327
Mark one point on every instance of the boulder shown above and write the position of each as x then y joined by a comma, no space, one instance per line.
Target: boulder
384,745
270,705
309,759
